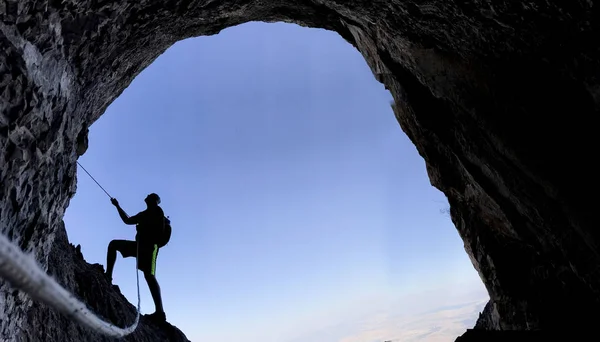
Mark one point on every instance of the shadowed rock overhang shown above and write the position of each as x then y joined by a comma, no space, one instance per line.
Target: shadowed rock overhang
500,99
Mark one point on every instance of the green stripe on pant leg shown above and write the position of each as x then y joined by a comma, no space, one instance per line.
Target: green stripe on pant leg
153,266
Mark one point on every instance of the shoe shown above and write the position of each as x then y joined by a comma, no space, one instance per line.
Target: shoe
158,317
117,289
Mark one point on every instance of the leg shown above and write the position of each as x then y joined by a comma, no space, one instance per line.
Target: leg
124,247
155,291
147,263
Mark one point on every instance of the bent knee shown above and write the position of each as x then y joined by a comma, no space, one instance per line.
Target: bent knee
115,244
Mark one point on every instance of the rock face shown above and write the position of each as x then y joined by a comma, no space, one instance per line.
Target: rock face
498,97
87,282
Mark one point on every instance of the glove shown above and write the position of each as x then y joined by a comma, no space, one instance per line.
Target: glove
114,202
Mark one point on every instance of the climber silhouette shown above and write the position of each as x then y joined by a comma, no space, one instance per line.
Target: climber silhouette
148,223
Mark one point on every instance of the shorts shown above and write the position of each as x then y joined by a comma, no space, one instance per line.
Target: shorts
147,257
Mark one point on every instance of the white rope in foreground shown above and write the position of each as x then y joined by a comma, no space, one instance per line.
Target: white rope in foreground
23,272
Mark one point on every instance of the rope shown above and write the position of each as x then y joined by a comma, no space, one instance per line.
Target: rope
94,180
24,273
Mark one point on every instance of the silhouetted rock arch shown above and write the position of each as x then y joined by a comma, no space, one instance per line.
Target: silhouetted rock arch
500,100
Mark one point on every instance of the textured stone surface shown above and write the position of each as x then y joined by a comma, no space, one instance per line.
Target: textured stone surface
87,282
499,98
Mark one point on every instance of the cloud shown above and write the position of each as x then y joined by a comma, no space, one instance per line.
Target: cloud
434,316
441,325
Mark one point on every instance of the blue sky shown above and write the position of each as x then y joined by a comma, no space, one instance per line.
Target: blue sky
296,200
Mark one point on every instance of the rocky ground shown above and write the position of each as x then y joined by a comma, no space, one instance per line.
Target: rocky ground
88,283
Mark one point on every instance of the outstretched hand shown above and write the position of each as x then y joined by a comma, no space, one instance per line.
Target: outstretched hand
114,202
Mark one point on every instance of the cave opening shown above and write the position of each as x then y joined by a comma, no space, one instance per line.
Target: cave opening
498,99
289,183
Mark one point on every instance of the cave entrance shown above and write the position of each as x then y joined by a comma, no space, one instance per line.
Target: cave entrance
294,195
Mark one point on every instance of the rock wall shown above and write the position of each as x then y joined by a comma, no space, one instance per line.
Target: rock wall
498,98
67,265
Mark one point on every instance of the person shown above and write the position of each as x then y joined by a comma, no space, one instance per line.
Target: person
148,223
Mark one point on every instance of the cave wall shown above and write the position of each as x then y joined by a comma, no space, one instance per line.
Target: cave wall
87,282
497,97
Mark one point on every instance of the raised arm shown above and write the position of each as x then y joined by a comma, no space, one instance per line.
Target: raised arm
126,219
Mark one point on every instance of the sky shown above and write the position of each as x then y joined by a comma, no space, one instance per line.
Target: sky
300,209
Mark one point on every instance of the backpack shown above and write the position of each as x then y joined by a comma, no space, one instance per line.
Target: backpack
165,235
